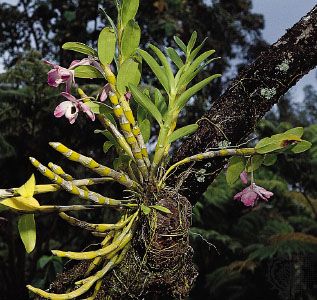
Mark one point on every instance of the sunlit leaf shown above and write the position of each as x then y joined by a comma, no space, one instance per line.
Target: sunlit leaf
87,72
129,10
180,43
254,163
106,45
181,132
301,147
106,146
79,47
27,189
156,68
173,55
129,73
27,230
130,39
146,210
192,42
146,102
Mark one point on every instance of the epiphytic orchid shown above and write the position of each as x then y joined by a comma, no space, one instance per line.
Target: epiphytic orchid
71,108
251,194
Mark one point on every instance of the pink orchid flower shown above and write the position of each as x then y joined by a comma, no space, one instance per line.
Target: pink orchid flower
59,75
251,194
71,108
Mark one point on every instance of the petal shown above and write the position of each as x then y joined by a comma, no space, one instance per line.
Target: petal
61,109
49,63
262,192
249,198
69,96
87,110
244,177
53,78
71,116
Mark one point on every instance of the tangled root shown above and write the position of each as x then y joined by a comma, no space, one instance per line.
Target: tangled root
159,263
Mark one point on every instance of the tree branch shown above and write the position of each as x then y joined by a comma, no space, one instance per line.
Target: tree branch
255,90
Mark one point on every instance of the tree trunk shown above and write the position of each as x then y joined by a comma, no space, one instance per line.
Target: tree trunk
159,264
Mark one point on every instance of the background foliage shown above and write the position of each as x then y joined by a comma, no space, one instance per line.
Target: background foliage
236,249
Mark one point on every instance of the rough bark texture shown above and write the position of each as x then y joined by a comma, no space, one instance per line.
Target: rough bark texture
170,274
256,89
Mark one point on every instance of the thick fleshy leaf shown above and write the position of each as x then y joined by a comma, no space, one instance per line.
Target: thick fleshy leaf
192,42
130,39
182,100
156,68
80,47
173,55
129,73
146,102
145,128
165,63
181,132
106,45
27,230
27,189
129,10
109,20
235,168
194,53
21,204
87,72
298,131
180,43
301,147
161,208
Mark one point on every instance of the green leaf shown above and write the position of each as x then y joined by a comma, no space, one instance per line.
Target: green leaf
106,146
173,55
141,114
235,168
129,10
129,73
27,230
146,210
301,147
146,102
196,51
269,159
180,43
99,108
161,208
182,100
130,39
298,131
181,132
79,47
165,63
159,102
195,64
156,68
106,45
87,72
192,42
145,128
257,161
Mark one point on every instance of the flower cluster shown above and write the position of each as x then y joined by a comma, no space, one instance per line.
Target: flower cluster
59,75
251,194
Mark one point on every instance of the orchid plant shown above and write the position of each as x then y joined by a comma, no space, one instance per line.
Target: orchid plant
143,175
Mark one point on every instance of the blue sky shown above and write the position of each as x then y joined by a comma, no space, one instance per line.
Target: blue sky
279,15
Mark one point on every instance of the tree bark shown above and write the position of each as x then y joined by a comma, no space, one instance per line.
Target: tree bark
255,90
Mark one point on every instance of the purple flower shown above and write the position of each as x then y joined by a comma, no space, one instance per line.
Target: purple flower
70,108
244,177
251,194
59,75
